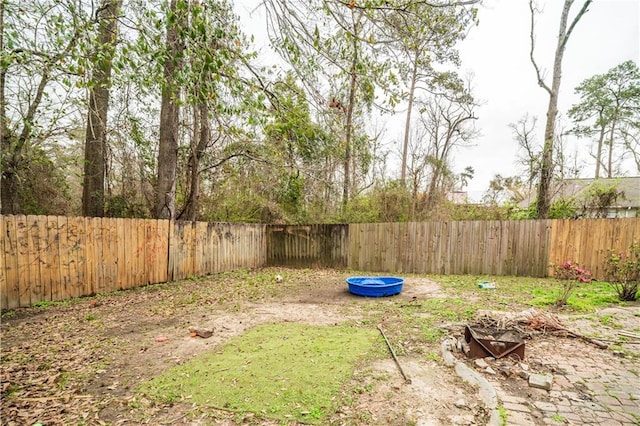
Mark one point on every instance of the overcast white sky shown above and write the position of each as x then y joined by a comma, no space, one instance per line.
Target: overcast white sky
497,53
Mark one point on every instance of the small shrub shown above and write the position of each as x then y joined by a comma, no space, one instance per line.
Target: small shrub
622,271
570,274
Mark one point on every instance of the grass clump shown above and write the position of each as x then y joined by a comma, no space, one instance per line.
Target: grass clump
513,293
282,371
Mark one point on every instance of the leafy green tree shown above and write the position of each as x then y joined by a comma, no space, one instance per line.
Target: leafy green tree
425,35
223,101
43,63
330,47
609,104
297,148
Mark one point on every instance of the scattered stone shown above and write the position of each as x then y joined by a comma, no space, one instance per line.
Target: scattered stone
460,403
506,372
524,367
523,375
481,363
490,370
621,354
200,332
540,381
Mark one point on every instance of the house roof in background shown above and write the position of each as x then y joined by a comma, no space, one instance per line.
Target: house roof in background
630,186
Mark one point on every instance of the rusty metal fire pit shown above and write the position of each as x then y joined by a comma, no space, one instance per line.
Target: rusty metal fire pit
484,342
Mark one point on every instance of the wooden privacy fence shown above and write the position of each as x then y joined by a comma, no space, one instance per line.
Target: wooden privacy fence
522,248
588,241
51,258
308,245
470,247
200,248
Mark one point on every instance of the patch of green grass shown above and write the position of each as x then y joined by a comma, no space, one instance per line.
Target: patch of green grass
434,356
609,320
522,292
433,335
274,370
11,391
503,415
557,418
48,304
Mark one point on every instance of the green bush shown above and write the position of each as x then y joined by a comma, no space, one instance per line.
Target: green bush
622,270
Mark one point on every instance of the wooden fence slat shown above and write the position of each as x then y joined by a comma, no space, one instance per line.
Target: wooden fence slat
37,288
45,260
74,255
110,235
53,248
11,262
131,243
149,250
22,247
120,264
141,251
65,258
4,297
163,250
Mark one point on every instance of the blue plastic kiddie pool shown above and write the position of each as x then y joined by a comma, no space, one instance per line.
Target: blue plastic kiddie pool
375,286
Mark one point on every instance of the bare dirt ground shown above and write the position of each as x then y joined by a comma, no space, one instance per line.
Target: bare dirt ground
79,362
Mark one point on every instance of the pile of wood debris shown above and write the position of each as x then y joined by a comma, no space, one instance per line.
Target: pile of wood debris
529,323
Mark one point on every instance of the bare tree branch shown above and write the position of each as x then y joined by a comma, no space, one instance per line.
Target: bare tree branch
541,82
583,10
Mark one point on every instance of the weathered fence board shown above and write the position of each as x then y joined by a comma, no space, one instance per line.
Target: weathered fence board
202,248
471,247
588,241
4,296
308,245
49,258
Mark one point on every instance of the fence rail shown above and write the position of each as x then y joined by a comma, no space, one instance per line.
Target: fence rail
51,258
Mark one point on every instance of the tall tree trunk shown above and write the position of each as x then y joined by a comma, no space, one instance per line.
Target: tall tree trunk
4,139
169,120
407,124
599,151
349,128
198,147
3,124
546,168
610,159
96,134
